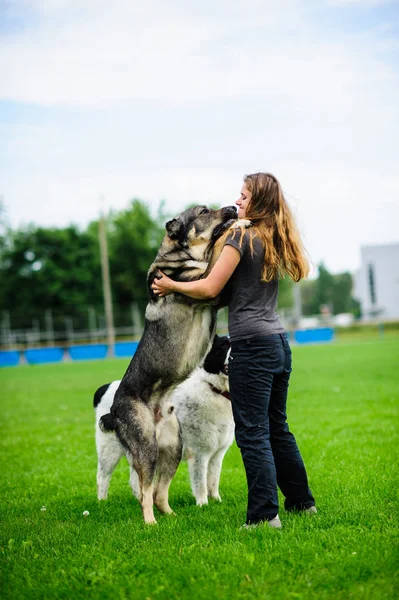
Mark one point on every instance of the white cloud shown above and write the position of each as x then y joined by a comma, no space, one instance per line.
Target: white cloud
125,50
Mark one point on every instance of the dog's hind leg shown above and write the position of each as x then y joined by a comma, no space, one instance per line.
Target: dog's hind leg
146,498
161,493
198,466
144,472
214,469
168,461
137,434
170,451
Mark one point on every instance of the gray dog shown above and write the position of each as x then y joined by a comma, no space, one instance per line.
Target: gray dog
177,334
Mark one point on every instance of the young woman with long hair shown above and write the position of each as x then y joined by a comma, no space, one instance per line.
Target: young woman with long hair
252,262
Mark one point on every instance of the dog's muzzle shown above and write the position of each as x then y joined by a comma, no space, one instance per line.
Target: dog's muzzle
229,215
222,227
229,212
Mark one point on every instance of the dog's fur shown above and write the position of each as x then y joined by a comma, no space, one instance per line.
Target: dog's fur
177,334
196,424
203,408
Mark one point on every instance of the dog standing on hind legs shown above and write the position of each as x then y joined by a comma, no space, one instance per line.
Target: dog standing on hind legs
177,334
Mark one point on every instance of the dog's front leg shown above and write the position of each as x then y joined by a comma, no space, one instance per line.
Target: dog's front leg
219,245
198,466
214,469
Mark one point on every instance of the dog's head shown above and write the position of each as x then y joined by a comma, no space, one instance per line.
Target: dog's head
187,247
199,227
216,361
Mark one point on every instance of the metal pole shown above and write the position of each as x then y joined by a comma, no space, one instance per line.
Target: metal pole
48,317
36,336
92,321
69,329
106,287
6,326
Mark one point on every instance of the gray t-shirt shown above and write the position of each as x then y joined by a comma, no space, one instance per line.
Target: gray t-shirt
252,302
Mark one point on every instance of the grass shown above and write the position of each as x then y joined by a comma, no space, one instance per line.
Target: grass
342,407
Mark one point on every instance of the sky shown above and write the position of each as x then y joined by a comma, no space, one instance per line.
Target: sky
102,102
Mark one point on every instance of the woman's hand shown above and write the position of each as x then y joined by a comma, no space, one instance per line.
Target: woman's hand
163,286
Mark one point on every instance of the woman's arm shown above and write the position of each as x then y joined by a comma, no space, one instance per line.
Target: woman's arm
202,289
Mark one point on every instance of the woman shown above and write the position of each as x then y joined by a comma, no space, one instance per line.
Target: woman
253,260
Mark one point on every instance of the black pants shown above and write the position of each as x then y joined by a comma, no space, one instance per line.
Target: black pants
259,372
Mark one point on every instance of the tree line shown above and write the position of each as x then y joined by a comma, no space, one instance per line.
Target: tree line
45,268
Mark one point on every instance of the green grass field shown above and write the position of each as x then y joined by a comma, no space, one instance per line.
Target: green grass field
343,408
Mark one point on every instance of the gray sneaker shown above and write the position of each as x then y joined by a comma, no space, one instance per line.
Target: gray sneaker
312,510
275,523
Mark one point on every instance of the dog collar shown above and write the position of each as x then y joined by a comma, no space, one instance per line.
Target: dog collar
217,391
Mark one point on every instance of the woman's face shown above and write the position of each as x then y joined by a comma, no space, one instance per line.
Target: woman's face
243,201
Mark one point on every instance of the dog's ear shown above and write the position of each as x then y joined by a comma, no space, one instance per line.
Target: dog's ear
175,229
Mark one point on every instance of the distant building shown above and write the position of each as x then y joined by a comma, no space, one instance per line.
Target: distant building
376,283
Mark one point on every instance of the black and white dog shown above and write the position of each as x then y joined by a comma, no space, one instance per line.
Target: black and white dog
203,408
196,424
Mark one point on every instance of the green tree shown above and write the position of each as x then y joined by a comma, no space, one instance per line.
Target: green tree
334,291
59,269
308,292
341,297
134,238
48,268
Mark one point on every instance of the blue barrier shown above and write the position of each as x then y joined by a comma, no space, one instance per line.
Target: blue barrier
9,358
37,356
311,336
90,352
125,349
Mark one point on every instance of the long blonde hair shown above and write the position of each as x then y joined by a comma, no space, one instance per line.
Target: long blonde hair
274,224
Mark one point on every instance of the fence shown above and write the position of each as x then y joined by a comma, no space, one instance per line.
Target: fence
52,328
44,343
36,356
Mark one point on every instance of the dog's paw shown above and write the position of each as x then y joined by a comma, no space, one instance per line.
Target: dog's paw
202,501
215,497
242,223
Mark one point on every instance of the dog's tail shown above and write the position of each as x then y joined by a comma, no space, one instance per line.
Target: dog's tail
107,423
